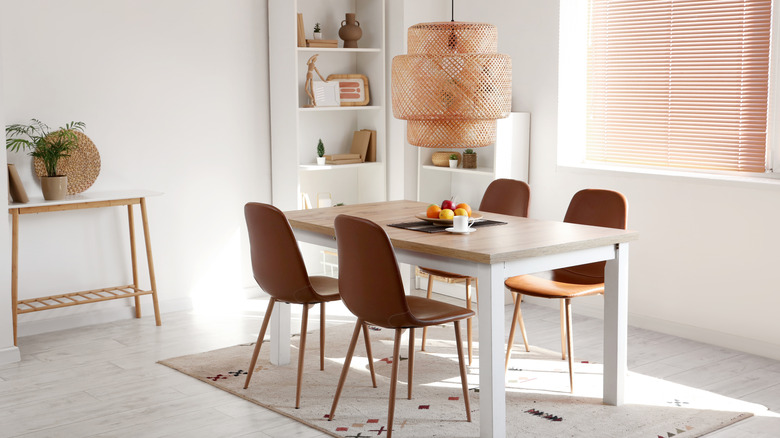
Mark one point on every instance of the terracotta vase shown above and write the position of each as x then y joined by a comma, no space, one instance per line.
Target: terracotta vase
54,187
350,32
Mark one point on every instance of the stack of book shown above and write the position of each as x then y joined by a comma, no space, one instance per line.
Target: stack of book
327,44
343,159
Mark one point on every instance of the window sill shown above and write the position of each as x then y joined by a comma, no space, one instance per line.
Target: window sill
771,179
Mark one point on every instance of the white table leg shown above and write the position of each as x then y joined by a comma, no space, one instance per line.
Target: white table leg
616,326
492,395
280,334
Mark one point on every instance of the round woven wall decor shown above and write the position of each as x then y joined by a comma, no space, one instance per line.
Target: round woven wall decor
82,166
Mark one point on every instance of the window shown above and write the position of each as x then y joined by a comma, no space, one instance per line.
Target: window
678,83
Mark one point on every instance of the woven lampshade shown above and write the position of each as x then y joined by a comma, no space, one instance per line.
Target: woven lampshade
452,85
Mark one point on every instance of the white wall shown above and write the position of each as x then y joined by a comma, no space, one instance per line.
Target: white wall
705,264
174,94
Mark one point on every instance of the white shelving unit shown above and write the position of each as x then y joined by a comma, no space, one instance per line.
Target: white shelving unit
295,130
506,158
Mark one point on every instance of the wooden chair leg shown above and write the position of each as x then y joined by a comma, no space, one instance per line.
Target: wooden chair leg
521,322
259,342
462,366
511,340
411,364
393,381
301,352
322,336
345,368
369,354
570,343
469,321
563,331
425,329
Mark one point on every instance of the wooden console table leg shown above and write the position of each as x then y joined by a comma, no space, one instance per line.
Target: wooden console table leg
131,222
152,280
14,266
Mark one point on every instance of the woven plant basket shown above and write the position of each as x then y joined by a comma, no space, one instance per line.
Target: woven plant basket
469,161
442,159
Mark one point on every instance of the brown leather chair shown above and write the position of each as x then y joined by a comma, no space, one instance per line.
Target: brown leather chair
279,269
502,196
603,208
371,288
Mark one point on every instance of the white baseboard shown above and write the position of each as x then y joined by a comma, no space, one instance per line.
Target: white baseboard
10,355
708,336
97,316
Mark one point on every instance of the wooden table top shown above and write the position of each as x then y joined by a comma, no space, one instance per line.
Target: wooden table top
519,238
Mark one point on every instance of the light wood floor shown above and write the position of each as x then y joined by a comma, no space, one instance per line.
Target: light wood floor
103,380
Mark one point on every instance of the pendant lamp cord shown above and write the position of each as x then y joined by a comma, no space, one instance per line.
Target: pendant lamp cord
452,10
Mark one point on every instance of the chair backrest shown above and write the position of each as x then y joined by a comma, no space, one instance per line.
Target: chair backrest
277,263
506,196
602,208
370,283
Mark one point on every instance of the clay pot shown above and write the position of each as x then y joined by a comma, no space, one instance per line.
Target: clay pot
54,187
350,32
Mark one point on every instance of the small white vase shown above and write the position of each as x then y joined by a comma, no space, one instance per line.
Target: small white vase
317,35
320,161
454,164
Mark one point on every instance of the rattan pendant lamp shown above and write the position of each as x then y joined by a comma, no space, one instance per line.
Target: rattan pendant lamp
452,86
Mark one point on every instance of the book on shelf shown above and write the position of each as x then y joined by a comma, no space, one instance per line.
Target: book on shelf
360,141
301,34
343,159
326,44
371,152
337,162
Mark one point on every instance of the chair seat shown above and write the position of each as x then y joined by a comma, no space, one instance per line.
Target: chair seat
439,273
541,287
326,287
433,312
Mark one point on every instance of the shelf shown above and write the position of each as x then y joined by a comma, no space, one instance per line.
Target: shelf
341,108
72,299
479,170
317,167
338,49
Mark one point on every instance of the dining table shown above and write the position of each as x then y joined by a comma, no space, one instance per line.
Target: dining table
516,246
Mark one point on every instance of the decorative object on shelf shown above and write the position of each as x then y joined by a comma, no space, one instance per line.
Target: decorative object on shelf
323,201
350,32
82,165
301,33
320,153
442,159
453,161
48,147
469,159
353,89
310,78
452,85
337,159
317,31
371,152
15,187
360,142
323,44
326,93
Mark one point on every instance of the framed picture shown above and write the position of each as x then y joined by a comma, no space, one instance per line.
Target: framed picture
353,89
15,187
325,93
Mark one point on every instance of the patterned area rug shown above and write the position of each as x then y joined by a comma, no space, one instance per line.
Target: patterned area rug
539,403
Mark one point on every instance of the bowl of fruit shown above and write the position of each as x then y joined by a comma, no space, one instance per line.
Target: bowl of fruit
443,214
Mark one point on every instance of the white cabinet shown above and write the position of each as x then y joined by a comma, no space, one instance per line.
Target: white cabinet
295,130
506,158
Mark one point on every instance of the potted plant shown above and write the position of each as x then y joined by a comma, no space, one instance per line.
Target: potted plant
453,161
317,33
320,153
469,159
48,147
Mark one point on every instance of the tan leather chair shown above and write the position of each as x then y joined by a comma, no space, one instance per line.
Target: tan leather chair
603,208
279,269
502,196
371,288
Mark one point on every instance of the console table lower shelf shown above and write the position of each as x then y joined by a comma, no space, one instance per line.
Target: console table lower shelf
77,202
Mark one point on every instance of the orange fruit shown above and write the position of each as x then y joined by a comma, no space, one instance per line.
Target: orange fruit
461,212
446,214
464,206
433,211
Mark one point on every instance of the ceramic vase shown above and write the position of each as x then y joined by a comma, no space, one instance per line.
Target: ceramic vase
454,164
54,187
350,32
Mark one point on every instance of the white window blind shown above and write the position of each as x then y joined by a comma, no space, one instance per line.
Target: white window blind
679,83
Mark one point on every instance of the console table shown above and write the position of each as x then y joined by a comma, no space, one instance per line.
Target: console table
79,202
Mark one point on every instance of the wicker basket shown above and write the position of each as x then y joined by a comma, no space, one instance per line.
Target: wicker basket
442,159
469,161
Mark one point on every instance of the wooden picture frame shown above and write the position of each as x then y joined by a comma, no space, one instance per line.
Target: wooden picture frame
353,89
15,187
